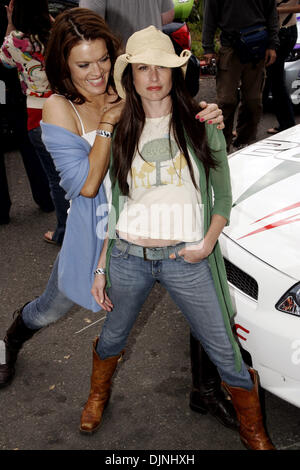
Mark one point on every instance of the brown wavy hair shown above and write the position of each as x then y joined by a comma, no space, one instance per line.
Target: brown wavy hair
69,28
187,130
32,18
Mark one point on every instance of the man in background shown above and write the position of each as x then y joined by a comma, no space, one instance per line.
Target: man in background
235,71
127,16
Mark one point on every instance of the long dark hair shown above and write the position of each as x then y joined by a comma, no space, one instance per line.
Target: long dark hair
187,130
32,18
69,29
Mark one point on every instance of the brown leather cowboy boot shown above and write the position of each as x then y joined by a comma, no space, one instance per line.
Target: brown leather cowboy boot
207,395
247,406
103,370
15,337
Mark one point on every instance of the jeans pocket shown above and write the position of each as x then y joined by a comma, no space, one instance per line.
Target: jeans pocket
116,252
189,262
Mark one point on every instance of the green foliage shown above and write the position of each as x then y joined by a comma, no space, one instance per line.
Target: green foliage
196,33
197,12
195,22
195,25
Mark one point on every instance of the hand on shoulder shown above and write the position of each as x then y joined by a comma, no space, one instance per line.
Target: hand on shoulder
112,112
211,114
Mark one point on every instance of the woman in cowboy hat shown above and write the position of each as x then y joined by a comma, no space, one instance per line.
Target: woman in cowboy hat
164,226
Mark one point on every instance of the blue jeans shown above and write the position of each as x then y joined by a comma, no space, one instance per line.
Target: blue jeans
49,307
57,192
190,286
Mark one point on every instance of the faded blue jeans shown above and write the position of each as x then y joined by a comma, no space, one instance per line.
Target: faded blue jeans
191,287
49,307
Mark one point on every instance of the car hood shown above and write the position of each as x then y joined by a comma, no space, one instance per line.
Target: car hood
265,218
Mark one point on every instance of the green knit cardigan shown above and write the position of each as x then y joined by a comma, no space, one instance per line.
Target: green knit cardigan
216,199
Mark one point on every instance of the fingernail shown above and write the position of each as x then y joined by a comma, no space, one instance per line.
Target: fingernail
209,122
202,119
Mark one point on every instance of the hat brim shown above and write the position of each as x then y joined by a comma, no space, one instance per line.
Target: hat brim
149,57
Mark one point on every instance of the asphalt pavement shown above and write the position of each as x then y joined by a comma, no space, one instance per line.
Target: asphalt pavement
149,407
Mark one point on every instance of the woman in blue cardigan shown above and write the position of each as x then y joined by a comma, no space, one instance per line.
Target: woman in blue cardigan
77,123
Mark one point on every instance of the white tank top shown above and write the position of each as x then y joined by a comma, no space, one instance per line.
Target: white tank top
90,138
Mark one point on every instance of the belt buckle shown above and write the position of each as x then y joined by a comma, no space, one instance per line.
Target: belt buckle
145,255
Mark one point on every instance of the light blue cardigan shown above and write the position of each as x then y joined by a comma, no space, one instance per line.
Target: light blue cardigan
85,229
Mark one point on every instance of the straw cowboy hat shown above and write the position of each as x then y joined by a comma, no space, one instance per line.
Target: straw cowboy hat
152,47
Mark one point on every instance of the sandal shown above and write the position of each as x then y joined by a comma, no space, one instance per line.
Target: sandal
273,130
48,238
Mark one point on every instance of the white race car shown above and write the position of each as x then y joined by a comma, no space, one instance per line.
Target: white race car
261,248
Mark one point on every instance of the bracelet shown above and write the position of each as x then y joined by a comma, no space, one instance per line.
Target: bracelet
100,271
105,122
103,133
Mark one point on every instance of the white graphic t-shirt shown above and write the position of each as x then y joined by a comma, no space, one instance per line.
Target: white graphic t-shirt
163,203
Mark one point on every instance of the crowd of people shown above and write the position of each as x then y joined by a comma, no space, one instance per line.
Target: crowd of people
107,103
23,48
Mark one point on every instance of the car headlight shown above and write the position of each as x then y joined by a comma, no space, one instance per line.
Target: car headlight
290,301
